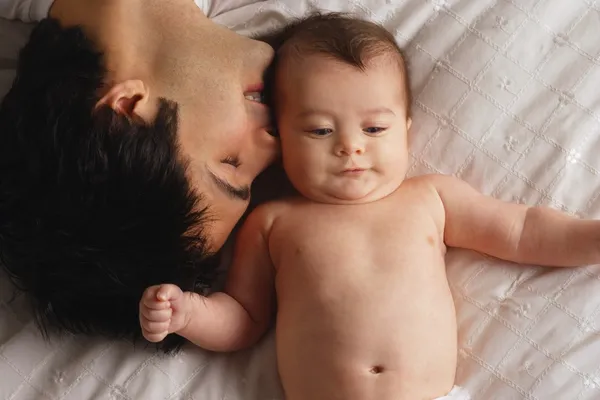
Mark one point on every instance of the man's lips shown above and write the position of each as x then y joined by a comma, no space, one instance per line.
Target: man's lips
257,87
254,92
254,96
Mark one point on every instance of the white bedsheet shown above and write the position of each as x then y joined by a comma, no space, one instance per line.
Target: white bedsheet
507,97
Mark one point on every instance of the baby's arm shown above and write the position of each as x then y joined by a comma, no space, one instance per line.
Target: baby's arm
515,232
223,321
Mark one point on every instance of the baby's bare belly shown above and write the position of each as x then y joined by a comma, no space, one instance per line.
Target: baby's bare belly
372,333
364,307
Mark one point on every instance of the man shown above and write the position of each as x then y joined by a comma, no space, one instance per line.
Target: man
130,138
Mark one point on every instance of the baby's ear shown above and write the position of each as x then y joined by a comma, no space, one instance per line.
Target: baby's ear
408,123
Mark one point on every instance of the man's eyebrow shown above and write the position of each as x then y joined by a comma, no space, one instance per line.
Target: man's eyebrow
237,193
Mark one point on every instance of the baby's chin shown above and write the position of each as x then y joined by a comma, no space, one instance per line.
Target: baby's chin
346,197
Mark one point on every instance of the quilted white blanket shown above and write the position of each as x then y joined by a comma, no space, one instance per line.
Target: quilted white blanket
507,97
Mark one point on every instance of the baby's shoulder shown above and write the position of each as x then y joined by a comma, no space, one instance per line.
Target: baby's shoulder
266,213
424,185
442,192
442,186
427,179
423,191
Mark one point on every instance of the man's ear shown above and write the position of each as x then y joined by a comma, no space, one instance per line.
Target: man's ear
130,98
408,124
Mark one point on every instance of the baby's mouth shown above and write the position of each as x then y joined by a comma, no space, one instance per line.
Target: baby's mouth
353,171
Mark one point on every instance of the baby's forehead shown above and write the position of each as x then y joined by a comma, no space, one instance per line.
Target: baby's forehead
299,60
318,70
330,38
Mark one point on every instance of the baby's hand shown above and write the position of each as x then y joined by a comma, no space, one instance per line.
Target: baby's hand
163,310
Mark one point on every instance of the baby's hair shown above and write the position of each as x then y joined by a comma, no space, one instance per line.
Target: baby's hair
345,38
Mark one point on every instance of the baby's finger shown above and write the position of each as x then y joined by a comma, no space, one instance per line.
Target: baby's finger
154,337
156,315
150,292
156,327
168,292
157,304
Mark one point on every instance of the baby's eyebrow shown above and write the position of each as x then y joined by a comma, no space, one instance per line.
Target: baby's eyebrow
236,193
310,112
379,110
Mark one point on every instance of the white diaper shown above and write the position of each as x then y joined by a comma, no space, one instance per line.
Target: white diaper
457,393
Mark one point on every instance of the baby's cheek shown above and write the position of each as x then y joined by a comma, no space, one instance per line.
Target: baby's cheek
309,172
393,166
396,154
293,170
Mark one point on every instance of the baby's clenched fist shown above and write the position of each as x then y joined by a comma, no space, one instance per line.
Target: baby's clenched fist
163,310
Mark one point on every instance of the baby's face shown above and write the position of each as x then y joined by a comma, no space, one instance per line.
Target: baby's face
343,131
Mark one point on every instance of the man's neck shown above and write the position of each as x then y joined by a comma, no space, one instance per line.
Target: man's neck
116,27
77,12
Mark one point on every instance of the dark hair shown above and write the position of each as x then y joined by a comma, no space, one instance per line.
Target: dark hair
341,36
94,207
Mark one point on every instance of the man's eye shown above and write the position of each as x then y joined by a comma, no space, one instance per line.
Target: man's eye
321,132
374,130
233,161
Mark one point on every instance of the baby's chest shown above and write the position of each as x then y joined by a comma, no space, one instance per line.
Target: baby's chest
355,234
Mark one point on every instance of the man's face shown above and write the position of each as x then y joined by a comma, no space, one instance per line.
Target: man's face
343,130
216,77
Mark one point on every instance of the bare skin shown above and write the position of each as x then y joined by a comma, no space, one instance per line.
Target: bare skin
354,268
169,49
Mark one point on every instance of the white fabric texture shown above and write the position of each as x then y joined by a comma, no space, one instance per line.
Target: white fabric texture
24,10
507,97
457,393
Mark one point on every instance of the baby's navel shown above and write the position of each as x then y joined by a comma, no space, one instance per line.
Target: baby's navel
376,370
431,240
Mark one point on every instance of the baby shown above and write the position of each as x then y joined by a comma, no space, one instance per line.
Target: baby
354,265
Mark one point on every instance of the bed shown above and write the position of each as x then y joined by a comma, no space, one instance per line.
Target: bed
506,97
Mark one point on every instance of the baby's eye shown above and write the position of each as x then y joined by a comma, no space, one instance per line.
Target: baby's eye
373,130
321,132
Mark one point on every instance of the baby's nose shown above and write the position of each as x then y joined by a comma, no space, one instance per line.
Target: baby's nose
349,146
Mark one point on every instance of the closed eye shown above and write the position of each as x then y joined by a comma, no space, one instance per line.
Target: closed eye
233,161
237,193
